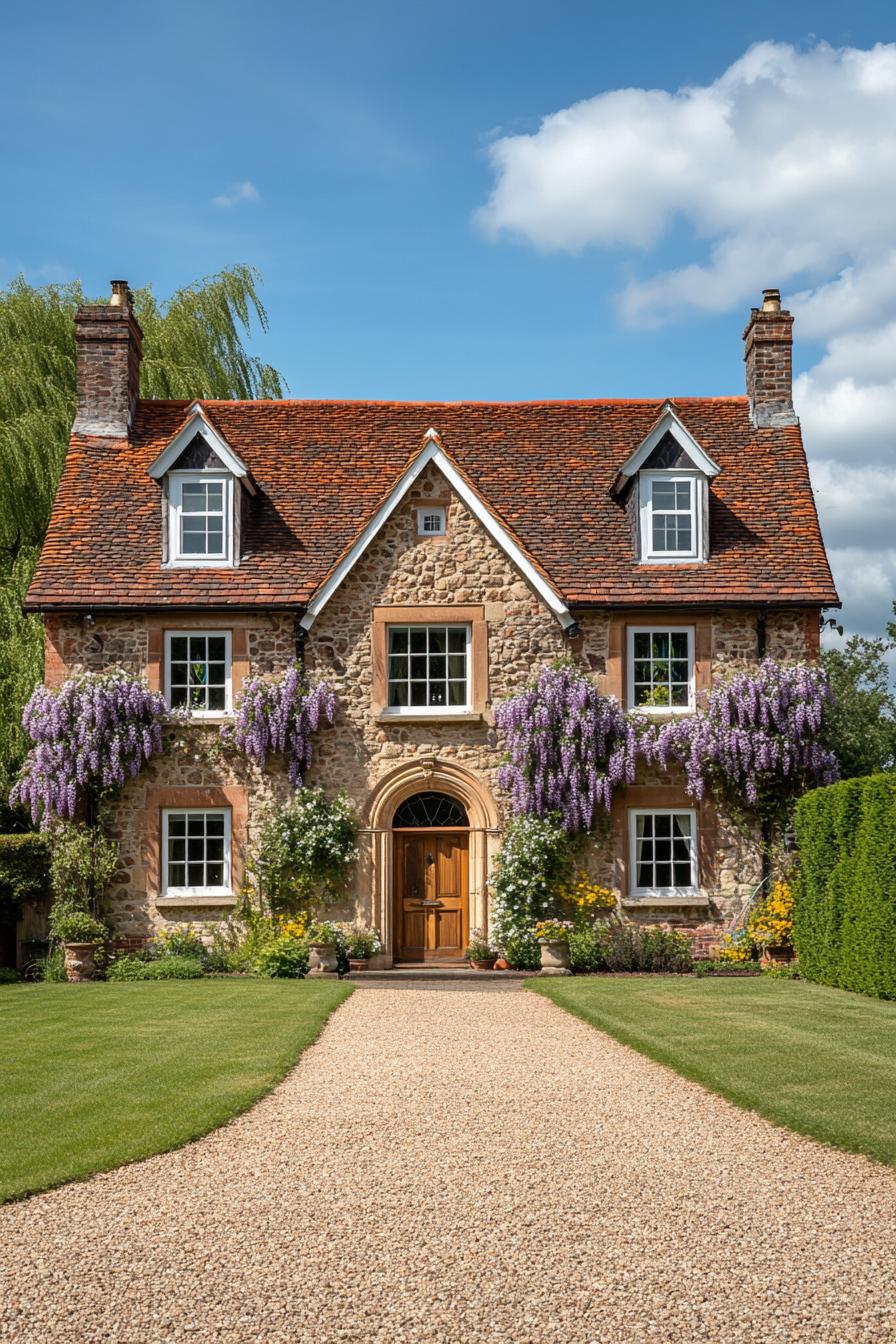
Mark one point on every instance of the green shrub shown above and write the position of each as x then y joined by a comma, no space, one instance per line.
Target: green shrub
50,969
305,850
631,947
587,953
166,968
284,959
83,862
8,976
178,941
531,871
70,924
845,899
24,870
521,951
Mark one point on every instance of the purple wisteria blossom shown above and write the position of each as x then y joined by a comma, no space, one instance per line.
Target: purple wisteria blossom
758,737
281,716
91,733
569,747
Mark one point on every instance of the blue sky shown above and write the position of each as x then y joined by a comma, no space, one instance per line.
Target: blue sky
372,134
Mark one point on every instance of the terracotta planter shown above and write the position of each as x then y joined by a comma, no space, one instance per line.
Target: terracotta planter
776,954
322,959
502,964
487,965
80,961
554,958
358,963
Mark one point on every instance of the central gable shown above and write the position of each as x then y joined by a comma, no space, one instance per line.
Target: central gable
433,453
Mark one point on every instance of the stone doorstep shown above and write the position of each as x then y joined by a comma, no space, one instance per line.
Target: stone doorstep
440,973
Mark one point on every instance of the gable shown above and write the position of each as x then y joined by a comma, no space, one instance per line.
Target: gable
189,439
668,437
432,453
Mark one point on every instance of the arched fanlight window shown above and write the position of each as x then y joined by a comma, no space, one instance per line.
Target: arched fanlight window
430,809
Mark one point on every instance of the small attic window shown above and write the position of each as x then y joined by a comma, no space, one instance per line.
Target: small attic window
431,521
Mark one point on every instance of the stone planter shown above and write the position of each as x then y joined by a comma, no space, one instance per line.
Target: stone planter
554,958
358,963
322,959
80,961
487,965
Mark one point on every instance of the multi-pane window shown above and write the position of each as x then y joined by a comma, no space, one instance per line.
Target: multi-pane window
670,522
431,521
664,852
200,518
198,671
429,667
197,851
661,668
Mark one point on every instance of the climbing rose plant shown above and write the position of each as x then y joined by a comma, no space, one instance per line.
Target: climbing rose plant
280,716
758,739
91,734
569,747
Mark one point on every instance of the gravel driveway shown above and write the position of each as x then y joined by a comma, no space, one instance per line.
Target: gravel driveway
450,1165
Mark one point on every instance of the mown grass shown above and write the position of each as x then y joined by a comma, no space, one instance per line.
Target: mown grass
820,1061
95,1075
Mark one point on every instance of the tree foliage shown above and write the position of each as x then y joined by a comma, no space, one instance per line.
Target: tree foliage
193,346
860,725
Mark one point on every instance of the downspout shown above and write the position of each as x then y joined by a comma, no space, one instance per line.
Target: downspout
300,635
766,825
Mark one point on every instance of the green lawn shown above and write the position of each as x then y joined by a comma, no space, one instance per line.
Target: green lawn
96,1075
820,1061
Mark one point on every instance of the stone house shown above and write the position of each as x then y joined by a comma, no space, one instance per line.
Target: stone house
427,558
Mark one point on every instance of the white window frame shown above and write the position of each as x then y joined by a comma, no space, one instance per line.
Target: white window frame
431,711
228,666
630,668
225,888
661,893
176,482
696,482
432,511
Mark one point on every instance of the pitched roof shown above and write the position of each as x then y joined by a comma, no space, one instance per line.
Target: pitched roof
544,469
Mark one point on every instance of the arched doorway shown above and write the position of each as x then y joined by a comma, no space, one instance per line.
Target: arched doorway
431,839
407,782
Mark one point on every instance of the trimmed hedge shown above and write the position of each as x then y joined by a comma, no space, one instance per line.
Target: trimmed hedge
24,870
845,896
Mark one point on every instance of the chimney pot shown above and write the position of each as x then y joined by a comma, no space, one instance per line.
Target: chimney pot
768,354
121,295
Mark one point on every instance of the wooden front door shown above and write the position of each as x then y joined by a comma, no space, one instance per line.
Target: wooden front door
432,880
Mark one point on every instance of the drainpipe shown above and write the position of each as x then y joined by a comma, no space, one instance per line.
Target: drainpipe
766,827
300,635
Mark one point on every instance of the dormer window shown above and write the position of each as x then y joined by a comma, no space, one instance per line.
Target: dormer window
665,487
201,530
671,515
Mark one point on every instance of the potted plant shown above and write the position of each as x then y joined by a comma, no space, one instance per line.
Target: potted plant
553,940
360,943
80,933
83,862
323,938
480,953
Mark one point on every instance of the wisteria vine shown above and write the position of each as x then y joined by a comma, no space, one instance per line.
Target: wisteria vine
759,736
758,739
91,733
569,747
280,716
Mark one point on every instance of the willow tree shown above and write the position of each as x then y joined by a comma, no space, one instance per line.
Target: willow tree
193,346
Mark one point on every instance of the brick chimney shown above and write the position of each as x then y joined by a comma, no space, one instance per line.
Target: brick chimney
768,353
108,341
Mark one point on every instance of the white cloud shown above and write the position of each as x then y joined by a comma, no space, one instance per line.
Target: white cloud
241,193
782,171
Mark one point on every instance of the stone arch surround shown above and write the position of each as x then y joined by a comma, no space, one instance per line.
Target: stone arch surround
429,774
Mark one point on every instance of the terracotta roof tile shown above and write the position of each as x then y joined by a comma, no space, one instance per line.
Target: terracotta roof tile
544,468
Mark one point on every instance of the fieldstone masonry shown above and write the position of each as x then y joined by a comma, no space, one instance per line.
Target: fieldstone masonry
362,748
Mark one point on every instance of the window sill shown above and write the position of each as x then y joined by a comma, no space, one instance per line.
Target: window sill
660,902
464,716
200,720
176,902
